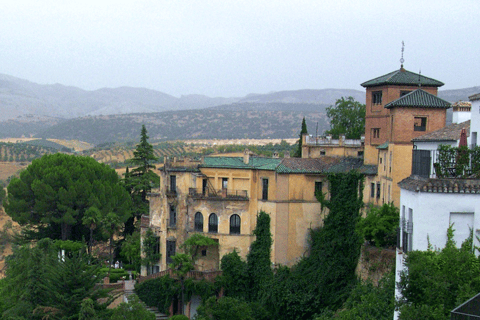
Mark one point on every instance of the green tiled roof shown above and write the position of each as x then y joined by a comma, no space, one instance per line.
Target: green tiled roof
402,77
237,163
383,146
325,165
419,99
348,164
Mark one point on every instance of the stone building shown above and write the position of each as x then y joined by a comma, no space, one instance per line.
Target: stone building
221,196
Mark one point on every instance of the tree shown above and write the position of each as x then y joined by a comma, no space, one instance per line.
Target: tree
298,152
225,308
151,249
346,117
111,223
91,219
438,280
132,310
259,266
181,265
131,250
52,195
195,242
141,179
39,285
379,227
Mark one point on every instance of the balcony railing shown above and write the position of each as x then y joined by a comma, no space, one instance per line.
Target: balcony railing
219,194
427,163
196,275
171,192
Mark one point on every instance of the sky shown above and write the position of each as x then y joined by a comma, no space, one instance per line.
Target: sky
223,48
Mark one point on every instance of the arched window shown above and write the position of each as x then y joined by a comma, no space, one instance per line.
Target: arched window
199,221
235,224
213,223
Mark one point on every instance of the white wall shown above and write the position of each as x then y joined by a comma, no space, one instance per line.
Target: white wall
432,212
475,121
433,145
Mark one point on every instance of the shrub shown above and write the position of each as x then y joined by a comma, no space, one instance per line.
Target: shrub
379,227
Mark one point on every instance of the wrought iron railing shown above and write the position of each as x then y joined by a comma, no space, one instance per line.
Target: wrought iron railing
219,194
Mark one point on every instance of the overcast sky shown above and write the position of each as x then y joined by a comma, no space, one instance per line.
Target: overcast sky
232,48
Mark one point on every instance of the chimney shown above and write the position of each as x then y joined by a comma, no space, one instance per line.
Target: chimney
275,155
461,111
246,156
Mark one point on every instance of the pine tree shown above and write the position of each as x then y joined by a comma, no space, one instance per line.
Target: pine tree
298,153
140,180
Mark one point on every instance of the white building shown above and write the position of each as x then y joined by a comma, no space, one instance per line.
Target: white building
428,204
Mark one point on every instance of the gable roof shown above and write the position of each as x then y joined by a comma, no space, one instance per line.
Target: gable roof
419,99
402,77
449,133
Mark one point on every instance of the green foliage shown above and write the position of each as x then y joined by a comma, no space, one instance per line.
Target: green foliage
182,264
234,276
151,248
463,161
438,281
197,241
379,227
368,302
39,285
298,152
346,117
132,310
158,292
259,266
225,308
3,195
140,181
131,250
87,310
51,196
178,317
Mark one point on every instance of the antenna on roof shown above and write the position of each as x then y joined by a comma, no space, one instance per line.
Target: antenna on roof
401,59
419,75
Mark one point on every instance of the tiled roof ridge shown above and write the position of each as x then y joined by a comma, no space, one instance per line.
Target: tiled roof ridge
432,185
448,133
402,77
418,96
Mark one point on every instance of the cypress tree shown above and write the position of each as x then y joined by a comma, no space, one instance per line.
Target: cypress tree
298,153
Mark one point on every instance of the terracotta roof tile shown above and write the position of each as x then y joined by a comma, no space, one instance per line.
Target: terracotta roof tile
449,133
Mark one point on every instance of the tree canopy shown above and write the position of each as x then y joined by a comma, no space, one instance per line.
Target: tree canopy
298,152
141,179
51,196
347,117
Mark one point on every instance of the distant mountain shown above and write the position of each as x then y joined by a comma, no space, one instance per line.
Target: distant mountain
20,97
458,94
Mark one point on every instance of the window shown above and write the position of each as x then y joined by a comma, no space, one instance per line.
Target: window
173,216
318,187
204,252
420,124
402,93
372,190
322,152
264,189
173,184
224,183
381,160
170,251
376,133
199,221
378,189
213,223
204,186
377,97
360,153
235,224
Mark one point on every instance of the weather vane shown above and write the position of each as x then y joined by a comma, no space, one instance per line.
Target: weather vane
401,59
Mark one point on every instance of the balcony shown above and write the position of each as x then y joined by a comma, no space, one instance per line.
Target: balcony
171,192
223,194
445,163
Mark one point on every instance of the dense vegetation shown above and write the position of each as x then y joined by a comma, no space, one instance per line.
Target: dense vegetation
51,197
187,124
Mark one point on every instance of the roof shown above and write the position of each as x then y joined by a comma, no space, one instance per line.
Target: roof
449,133
321,165
420,184
237,163
402,77
474,97
325,165
419,99
383,146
